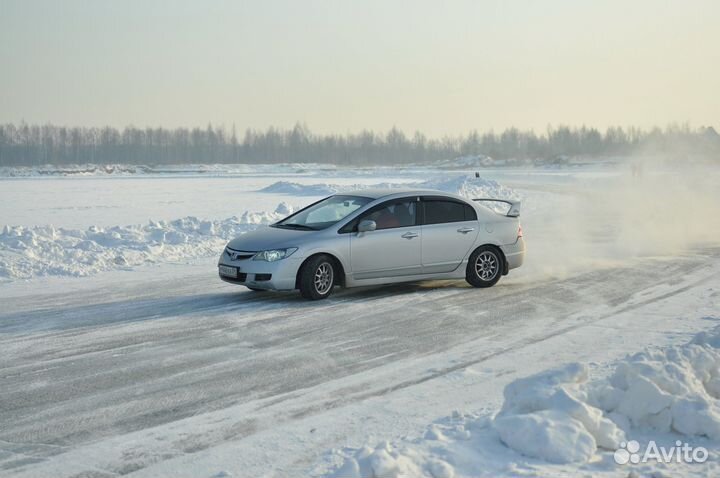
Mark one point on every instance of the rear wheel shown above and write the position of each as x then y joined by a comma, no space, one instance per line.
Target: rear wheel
317,278
484,267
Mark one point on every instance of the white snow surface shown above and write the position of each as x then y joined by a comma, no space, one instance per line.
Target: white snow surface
463,185
27,252
88,170
561,416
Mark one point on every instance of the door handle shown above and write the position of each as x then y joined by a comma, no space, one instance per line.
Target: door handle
409,235
465,230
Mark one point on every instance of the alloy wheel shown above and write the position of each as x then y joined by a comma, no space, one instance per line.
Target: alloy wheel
323,279
486,266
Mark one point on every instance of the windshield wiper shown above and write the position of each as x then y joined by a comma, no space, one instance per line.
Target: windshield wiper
296,226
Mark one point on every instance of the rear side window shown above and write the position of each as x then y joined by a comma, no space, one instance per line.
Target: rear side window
470,214
440,212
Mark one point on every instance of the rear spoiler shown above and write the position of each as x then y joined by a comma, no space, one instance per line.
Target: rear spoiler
514,206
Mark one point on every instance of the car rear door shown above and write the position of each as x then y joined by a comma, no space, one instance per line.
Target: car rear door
394,248
449,230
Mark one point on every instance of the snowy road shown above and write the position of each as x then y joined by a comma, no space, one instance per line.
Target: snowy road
123,358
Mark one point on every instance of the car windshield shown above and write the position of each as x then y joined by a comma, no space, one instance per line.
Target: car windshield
324,213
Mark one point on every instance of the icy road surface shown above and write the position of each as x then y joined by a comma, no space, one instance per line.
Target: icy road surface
106,362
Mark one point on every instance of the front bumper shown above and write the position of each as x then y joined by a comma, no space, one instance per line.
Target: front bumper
514,253
282,273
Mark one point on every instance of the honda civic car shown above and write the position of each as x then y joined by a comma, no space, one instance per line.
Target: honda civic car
379,236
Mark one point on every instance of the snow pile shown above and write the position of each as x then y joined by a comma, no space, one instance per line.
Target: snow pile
383,461
27,252
463,185
547,416
74,170
80,170
561,417
671,389
287,187
470,187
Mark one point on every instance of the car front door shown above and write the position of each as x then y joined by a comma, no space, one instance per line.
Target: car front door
448,232
394,247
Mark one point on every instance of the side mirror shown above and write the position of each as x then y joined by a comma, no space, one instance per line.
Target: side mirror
367,226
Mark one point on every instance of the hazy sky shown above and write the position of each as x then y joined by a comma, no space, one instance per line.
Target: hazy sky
443,67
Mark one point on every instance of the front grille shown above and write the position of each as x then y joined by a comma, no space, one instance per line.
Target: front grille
242,276
236,255
262,277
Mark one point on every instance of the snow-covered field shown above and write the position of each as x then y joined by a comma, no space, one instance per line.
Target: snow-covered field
124,354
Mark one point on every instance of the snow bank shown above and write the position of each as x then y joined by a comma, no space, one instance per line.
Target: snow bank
287,187
671,389
470,187
560,416
547,416
74,170
27,252
79,170
463,185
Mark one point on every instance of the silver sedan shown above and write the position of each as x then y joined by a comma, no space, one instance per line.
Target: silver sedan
378,236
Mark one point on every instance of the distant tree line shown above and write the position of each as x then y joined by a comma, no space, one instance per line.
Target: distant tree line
29,145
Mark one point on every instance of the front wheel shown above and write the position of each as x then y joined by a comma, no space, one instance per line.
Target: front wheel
484,267
317,278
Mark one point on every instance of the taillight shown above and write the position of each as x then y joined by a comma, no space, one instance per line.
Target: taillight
519,230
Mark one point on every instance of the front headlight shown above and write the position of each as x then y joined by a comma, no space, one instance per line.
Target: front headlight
274,254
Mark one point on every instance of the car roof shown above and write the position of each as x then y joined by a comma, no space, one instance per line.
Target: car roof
377,193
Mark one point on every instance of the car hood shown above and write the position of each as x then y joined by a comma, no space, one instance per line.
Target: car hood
266,237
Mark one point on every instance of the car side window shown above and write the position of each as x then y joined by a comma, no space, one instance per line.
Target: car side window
438,211
470,214
394,214
389,215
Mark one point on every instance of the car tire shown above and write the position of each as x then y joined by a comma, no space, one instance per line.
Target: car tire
317,278
484,267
